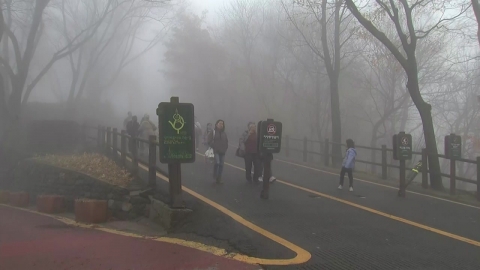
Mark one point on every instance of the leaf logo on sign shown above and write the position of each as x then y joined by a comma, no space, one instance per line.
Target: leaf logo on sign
178,122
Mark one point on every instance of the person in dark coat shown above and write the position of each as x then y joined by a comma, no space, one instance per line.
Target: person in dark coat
132,130
218,141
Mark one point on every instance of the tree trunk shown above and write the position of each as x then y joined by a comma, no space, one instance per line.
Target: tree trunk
403,119
373,144
431,144
336,121
476,10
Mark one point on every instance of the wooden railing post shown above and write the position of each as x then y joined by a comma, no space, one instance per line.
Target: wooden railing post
327,152
478,178
401,190
152,161
134,144
115,143
123,148
305,142
384,162
99,136
287,146
452,176
109,141
424,168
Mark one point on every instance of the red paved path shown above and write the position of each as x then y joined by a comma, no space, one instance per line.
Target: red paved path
31,241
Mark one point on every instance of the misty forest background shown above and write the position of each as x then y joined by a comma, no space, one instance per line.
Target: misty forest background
332,69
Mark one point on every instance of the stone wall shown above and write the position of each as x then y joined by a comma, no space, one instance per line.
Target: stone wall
39,178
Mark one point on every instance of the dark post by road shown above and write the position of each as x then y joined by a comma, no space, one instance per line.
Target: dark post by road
134,155
401,191
267,173
478,178
109,141
424,168
115,143
287,145
123,148
384,162
175,180
305,149
152,161
327,152
99,136
452,176
269,141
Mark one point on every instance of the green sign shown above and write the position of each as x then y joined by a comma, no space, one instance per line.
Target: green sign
269,136
176,132
453,146
402,146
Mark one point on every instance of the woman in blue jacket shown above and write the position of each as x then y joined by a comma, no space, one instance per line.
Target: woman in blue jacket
348,164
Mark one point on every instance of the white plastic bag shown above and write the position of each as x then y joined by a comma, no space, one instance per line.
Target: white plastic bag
209,153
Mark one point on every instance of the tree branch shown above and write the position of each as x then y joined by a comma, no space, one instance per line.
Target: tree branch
377,33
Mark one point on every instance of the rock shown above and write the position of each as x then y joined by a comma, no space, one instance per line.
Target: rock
79,182
111,203
126,207
138,209
139,200
132,215
144,193
120,191
147,210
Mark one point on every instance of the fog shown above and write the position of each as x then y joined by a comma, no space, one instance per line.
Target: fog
247,60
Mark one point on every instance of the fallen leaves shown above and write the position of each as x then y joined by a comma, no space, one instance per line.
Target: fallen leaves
92,164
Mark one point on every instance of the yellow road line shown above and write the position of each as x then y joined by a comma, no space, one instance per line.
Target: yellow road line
374,183
371,210
199,246
382,185
403,220
301,257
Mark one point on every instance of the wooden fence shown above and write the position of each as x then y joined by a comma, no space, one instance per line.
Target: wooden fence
326,156
116,146
108,140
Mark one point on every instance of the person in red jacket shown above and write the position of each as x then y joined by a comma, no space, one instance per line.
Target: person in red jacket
251,154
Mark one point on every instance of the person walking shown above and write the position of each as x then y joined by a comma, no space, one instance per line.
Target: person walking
348,164
198,133
218,141
132,130
248,145
146,129
127,120
207,132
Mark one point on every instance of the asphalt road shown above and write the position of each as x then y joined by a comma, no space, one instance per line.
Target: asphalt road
370,228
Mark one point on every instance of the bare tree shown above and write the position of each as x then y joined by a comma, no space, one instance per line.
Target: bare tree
476,10
110,49
409,35
335,31
18,72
